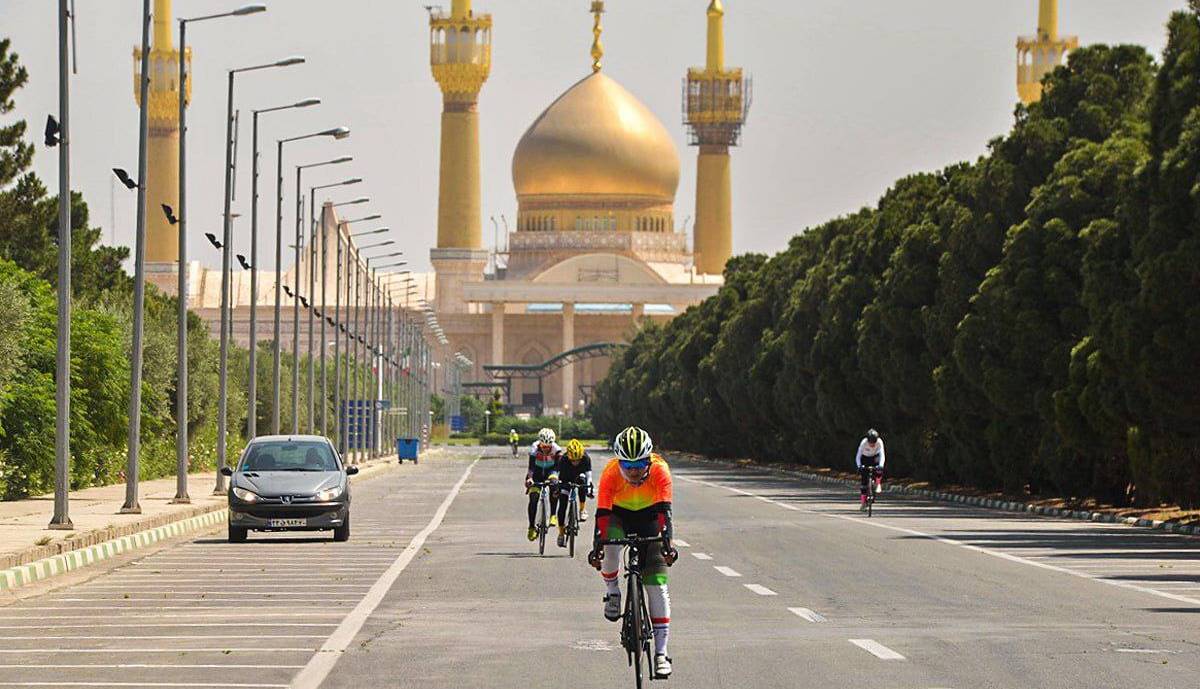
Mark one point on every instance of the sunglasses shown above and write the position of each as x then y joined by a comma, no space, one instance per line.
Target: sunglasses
639,464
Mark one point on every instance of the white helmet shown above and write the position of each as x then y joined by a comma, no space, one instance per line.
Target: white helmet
546,436
633,445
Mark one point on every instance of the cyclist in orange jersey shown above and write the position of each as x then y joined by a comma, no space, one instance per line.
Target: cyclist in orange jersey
634,497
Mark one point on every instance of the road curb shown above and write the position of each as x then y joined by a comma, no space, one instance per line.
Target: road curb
46,568
976,501
138,536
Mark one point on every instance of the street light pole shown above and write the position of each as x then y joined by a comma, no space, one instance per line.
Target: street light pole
226,253
338,133
318,238
131,505
252,392
62,367
181,348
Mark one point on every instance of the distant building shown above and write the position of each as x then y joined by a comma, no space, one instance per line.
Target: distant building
1038,55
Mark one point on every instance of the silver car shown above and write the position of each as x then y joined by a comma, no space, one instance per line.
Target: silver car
289,483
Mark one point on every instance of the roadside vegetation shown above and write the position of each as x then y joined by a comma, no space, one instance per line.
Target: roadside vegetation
101,342
1028,322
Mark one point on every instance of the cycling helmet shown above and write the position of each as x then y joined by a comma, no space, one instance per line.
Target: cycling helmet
872,435
574,450
546,437
633,446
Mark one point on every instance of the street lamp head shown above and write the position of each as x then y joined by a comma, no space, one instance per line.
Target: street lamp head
361,199
337,132
307,102
352,180
249,9
289,61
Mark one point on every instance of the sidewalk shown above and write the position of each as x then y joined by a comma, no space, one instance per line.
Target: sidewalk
94,512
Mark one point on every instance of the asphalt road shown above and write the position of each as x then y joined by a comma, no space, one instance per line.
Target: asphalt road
781,584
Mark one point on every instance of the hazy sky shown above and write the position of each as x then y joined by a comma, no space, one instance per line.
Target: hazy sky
848,96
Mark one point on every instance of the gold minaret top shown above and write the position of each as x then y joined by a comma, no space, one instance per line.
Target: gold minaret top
164,72
716,100
597,46
1039,55
460,51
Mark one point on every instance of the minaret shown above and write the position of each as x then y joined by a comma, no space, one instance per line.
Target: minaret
715,103
162,240
461,58
1040,54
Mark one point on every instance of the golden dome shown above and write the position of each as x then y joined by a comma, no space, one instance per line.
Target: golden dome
597,139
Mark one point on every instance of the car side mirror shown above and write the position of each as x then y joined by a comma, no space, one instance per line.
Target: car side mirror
227,471
351,470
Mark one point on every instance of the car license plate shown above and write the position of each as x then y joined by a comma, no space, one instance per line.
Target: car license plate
286,522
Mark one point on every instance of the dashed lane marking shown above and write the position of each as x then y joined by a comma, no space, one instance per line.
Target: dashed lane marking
702,556
727,571
877,649
967,546
809,615
760,589
682,543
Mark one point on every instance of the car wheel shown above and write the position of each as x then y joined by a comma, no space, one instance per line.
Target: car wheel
342,533
237,534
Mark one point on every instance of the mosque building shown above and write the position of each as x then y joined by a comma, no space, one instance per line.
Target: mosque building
596,251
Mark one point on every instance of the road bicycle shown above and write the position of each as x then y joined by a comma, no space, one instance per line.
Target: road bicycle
543,513
571,528
637,635
873,487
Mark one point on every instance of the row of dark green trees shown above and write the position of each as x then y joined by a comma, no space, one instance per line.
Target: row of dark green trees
1028,322
101,343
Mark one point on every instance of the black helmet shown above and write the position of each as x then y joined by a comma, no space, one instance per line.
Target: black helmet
872,435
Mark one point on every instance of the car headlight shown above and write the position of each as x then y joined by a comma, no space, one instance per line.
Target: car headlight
330,494
245,495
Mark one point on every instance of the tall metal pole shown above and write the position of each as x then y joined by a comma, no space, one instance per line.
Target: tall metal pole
296,310
324,314
227,237
339,433
312,307
353,387
62,365
131,505
181,316
252,386
275,365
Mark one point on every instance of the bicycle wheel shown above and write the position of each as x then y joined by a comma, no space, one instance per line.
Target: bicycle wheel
871,501
543,506
634,611
572,523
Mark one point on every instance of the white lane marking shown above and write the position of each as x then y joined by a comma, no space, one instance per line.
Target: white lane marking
174,616
877,649
974,548
205,599
1143,650
143,666
682,543
141,684
702,556
222,651
727,571
138,623
146,587
319,666
808,615
760,589
163,637
140,608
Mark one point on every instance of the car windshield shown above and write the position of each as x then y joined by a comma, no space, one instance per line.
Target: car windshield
289,456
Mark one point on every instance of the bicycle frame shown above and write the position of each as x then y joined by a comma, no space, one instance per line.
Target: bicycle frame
636,633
